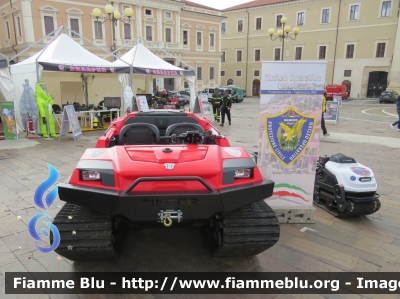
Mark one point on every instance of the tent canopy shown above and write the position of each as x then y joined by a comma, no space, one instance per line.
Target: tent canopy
66,55
145,62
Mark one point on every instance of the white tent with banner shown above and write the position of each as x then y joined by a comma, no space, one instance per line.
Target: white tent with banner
61,54
141,61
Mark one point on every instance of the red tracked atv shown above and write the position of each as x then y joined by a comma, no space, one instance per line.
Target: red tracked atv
166,167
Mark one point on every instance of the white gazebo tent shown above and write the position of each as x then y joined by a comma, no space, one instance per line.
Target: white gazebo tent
61,54
6,84
141,61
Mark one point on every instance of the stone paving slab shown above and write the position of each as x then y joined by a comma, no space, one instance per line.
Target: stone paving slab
370,243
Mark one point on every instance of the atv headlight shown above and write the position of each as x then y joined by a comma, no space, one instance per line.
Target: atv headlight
90,175
243,173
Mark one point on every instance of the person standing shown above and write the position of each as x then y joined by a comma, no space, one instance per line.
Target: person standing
324,131
216,104
398,112
226,105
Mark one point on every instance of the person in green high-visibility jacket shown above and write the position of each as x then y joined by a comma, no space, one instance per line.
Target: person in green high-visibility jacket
42,100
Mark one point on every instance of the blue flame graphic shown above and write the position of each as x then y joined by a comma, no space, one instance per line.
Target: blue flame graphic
34,234
51,196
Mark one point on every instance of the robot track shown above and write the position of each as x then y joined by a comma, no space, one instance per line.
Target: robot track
326,201
87,235
249,230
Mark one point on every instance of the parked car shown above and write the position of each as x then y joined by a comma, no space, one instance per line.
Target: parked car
388,96
184,98
336,90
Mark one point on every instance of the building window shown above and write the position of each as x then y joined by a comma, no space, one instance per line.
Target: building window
350,51
199,73
185,37
74,27
354,11
300,18
325,16
239,55
222,73
127,31
98,30
168,35
258,23
386,8
212,40
238,73
19,27
256,73
347,73
257,55
199,38
148,12
278,21
149,33
322,52
8,30
240,25
48,24
212,73
298,53
168,15
223,57
277,53
380,50
223,28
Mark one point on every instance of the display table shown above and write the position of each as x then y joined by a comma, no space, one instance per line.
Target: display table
91,112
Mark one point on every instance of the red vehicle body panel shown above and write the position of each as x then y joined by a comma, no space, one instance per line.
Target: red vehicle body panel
336,90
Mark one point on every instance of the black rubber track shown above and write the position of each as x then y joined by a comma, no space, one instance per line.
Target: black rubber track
247,231
95,238
353,209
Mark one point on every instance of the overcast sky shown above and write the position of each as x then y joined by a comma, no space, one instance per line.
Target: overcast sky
220,4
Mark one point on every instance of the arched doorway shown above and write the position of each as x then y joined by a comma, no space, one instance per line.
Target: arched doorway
377,82
348,86
256,87
230,82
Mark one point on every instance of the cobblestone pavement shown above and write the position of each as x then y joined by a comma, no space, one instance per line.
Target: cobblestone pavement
370,244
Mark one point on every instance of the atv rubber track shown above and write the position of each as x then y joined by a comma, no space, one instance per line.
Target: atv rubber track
95,237
353,208
249,230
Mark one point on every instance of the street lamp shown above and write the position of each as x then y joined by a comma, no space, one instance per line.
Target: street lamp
283,34
113,16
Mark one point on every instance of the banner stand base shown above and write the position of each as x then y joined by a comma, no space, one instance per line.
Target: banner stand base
295,214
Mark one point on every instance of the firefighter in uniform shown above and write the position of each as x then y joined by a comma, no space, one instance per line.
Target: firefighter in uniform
216,104
226,105
105,115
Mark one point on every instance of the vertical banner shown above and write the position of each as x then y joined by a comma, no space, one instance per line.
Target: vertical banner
332,112
290,128
338,99
205,106
70,120
8,118
142,104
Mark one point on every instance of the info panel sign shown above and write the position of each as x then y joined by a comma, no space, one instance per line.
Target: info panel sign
290,128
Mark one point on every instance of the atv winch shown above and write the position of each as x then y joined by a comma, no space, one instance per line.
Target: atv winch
345,188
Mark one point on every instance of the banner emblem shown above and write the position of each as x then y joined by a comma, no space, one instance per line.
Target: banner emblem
289,134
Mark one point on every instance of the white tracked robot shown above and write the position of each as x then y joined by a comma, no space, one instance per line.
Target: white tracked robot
345,188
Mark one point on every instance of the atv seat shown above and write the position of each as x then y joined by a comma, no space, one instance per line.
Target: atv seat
182,128
139,133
